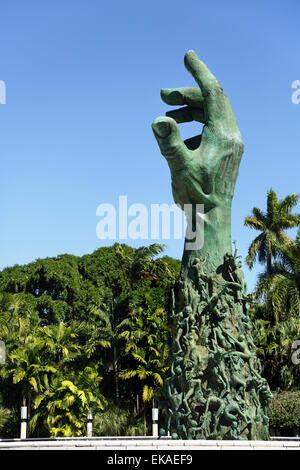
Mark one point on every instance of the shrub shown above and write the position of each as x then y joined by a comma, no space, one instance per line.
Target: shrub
116,422
285,410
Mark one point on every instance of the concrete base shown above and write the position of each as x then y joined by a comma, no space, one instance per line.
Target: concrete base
145,443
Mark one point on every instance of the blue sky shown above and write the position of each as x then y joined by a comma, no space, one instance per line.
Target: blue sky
82,88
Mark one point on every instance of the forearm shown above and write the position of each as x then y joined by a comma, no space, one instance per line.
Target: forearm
214,239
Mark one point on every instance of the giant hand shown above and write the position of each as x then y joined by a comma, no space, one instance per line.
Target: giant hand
203,169
208,317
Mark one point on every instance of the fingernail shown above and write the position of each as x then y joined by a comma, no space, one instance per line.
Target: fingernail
161,128
171,96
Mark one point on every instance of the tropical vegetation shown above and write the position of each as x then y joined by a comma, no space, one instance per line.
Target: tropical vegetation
84,333
276,304
89,333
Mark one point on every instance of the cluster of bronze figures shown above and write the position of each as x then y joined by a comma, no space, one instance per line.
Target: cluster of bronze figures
214,388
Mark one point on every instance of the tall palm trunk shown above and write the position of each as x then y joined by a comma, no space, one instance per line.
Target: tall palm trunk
115,365
145,420
132,404
269,263
116,376
269,258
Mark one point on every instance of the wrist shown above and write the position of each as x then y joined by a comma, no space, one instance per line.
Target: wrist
212,239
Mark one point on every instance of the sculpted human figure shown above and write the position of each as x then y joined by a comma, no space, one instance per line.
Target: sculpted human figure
264,395
182,324
236,377
232,412
216,406
194,386
244,352
217,370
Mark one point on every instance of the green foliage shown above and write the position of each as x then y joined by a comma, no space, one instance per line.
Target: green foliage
271,224
5,414
145,335
285,410
274,348
75,327
55,287
116,421
280,288
64,405
276,299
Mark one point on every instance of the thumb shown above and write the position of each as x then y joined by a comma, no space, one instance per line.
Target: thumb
170,142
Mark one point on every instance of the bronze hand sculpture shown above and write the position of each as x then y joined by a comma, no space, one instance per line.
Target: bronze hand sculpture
210,295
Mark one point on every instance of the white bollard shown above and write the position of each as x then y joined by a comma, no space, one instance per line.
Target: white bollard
90,423
23,433
155,422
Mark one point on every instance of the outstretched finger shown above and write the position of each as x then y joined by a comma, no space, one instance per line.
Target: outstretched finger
170,142
187,114
214,99
191,96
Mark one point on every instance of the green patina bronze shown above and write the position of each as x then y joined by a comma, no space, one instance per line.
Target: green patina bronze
214,389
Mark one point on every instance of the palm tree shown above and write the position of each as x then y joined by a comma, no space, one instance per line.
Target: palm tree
144,333
276,321
60,340
140,265
281,286
63,398
102,343
25,367
136,267
288,331
274,348
271,224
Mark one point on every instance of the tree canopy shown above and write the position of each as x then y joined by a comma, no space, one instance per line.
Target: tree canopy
84,332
